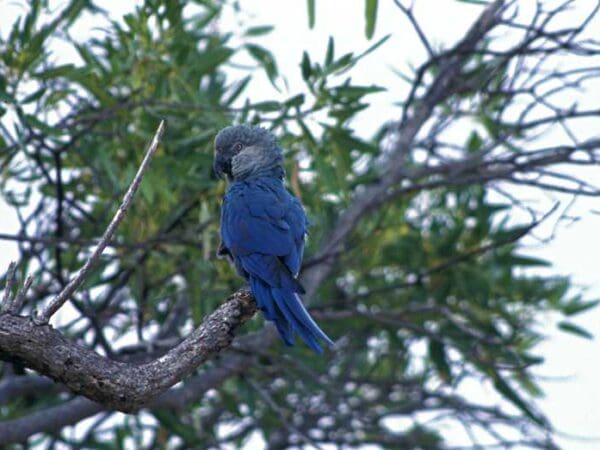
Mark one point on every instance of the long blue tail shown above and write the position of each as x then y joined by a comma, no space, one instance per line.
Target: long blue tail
284,307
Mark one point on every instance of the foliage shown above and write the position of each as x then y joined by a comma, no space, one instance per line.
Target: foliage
428,293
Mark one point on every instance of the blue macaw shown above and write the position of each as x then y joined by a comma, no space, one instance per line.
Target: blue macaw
263,228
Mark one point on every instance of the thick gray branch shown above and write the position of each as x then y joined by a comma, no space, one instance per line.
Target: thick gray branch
115,384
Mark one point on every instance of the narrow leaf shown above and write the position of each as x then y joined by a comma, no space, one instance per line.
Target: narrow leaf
267,106
265,58
511,395
437,354
305,66
311,13
371,17
578,306
239,87
570,327
213,58
259,31
56,72
330,52
374,47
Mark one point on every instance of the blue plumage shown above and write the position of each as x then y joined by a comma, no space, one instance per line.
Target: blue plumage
263,228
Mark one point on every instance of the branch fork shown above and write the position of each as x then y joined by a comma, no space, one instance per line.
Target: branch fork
12,304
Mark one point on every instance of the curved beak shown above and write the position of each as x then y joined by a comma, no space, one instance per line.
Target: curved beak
222,166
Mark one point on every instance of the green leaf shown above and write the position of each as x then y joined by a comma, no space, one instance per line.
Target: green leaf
491,125
35,122
265,58
345,113
267,106
330,52
173,423
474,143
30,20
570,327
374,47
558,290
343,63
349,142
5,97
91,82
295,101
148,191
210,59
88,57
240,86
34,96
511,395
578,306
437,354
371,17
56,72
529,385
528,261
305,66
308,135
311,13
259,31
73,11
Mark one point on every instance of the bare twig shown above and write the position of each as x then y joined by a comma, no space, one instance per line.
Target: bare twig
70,289
408,11
17,302
10,281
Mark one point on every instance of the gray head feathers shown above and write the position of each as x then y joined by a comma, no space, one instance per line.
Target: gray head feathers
243,152
246,135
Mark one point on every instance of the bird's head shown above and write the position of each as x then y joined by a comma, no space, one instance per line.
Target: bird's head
243,151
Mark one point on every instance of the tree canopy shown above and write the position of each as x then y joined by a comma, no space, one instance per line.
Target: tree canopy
415,263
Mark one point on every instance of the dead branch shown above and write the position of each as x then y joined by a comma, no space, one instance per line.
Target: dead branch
70,288
114,384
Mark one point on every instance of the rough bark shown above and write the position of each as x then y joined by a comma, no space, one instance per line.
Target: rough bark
119,385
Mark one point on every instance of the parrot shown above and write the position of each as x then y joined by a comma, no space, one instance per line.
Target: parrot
263,229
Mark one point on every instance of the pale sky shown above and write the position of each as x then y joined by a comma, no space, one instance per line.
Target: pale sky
572,399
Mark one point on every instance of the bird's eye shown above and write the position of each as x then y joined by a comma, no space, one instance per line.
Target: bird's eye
237,147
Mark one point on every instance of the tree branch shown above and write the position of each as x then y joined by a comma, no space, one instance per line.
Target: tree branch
6,302
441,88
77,409
119,385
70,288
50,419
447,80
21,386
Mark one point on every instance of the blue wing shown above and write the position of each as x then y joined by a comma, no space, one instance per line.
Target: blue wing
263,228
262,217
